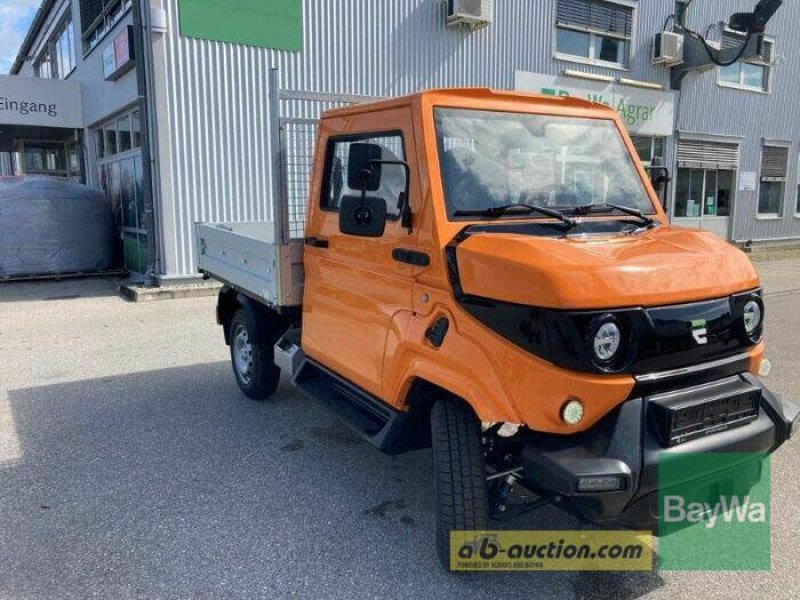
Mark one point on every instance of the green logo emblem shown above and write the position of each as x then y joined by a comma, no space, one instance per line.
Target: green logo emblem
700,332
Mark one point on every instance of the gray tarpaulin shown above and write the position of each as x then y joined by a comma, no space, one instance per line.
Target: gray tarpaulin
51,225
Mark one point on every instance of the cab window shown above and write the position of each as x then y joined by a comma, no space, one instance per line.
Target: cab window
393,178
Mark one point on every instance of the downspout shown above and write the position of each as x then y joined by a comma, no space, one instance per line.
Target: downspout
141,31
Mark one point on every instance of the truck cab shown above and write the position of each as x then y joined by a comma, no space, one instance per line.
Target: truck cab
491,274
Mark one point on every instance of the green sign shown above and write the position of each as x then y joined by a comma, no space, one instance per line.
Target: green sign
265,23
714,512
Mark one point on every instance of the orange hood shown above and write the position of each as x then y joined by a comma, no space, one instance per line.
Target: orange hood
666,265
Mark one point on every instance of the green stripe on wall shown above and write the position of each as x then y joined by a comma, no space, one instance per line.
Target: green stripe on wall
264,23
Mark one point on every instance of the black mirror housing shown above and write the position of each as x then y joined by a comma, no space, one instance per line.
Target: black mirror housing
363,216
363,172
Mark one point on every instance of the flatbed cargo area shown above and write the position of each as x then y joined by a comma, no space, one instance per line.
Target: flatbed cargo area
247,257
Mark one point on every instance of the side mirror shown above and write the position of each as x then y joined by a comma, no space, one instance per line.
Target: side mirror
363,167
659,177
362,215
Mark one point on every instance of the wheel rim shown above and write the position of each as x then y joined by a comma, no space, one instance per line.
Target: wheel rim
242,354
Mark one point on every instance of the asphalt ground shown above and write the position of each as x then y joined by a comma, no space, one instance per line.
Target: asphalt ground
132,467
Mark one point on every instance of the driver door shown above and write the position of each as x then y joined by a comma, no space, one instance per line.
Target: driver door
353,286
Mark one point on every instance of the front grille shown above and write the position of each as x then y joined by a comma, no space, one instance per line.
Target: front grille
691,413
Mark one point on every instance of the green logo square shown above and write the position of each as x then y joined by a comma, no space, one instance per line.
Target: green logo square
714,511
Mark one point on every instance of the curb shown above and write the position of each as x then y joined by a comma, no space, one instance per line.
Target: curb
135,293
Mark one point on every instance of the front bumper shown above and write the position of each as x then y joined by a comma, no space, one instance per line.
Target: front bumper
628,445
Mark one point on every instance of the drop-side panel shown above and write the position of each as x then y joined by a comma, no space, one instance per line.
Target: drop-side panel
245,256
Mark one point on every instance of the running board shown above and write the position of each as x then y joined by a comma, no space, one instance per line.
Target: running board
378,423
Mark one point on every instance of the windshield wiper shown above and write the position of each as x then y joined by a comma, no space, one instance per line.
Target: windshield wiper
495,212
634,212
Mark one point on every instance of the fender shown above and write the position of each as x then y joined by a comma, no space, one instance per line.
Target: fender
267,324
409,356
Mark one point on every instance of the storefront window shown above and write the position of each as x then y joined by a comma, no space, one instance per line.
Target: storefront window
124,134
45,157
136,129
111,139
704,193
120,174
99,143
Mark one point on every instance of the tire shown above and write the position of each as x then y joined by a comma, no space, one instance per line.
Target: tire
459,473
253,363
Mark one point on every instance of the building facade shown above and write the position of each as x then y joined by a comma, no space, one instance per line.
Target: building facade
193,112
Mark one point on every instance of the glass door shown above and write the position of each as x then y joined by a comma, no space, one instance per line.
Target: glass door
704,199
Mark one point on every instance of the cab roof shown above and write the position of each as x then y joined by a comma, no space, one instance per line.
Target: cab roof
475,96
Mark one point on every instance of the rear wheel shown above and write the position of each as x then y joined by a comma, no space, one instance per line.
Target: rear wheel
253,363
459,473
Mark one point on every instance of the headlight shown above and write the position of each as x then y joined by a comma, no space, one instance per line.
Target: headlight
607,341
752,317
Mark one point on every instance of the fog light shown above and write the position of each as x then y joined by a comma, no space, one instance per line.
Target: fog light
602,483
766,368
572,413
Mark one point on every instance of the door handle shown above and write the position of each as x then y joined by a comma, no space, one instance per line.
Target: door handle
411,257
316,242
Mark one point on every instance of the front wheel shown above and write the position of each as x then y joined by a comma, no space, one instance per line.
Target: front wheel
459,473
253,363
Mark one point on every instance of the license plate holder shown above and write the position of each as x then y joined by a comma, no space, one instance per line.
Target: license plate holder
699,411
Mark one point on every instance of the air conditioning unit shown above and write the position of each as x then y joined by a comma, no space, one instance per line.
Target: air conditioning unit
668,49
474,13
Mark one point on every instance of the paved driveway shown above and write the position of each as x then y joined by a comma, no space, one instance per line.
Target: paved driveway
131,466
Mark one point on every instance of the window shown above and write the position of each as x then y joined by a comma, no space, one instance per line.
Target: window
595,30
43,67
110,132
797,206
45,157
544,160
124,133
648,148
752,74
136,129
393,177
119,135
704,193
774,160
797,202
98,17
57,59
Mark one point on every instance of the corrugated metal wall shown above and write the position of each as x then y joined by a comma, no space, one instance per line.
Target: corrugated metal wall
217,121
706,107
214,126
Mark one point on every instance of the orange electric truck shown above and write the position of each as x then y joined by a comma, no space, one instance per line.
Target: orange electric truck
492,275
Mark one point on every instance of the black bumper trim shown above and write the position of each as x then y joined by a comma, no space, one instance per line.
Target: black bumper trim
626,443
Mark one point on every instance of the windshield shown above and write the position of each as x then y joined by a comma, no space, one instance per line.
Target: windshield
493,159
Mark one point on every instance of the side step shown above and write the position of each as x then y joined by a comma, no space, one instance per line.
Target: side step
386,428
